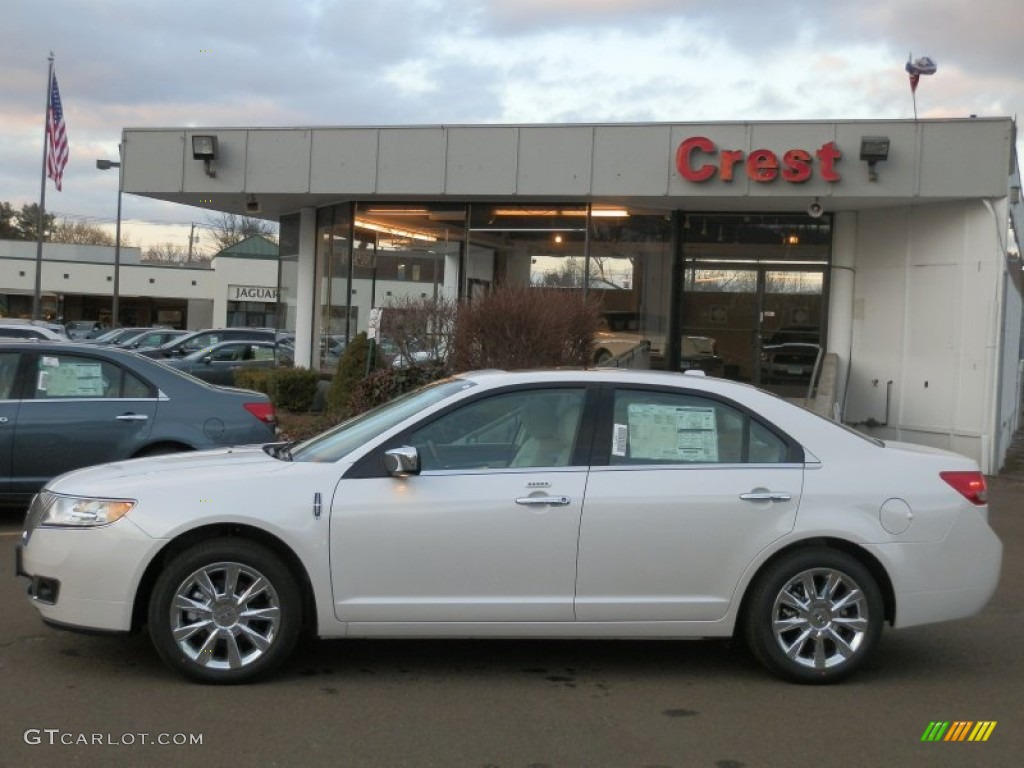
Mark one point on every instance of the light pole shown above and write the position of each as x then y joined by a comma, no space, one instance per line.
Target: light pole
106,165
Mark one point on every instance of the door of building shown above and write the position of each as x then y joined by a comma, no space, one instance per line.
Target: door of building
754,298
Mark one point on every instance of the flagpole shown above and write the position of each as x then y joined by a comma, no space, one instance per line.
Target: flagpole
42,198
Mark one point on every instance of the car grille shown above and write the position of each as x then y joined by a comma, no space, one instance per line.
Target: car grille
39,506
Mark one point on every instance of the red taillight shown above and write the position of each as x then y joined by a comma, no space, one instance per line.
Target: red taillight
970,485
262,411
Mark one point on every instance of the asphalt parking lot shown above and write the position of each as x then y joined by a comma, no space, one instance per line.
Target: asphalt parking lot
78,700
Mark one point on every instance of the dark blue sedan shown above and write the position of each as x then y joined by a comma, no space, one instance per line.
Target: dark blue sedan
66,405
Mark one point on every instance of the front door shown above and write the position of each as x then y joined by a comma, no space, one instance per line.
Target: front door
486,533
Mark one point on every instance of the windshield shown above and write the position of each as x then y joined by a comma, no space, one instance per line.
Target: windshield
354,433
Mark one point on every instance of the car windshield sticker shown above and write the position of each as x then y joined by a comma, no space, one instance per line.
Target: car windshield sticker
51,362
73,380
672,433
620,439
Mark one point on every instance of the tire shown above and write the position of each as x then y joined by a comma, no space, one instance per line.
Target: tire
213,640
820,640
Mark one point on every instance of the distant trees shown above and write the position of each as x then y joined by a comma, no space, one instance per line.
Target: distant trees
174,255
228,229
24,224
82,233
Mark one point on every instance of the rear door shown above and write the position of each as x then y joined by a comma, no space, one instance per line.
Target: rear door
78,410
685,491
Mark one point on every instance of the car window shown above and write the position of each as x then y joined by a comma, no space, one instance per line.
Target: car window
8,371
654,427
340,441
262,352
229,353
72,376
201,341
533,428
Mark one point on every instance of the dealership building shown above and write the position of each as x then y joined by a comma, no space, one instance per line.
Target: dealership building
891,245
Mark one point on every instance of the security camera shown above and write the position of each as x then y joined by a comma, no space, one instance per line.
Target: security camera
253,206
814,210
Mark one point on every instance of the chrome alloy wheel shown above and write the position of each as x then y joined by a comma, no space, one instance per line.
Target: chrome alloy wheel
225,615
820,618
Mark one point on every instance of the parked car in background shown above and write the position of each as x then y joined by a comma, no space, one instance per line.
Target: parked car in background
198,340
217,364
83,329
696,352
149,339
790,354
65,405
26,329
700,353
115,334
617,503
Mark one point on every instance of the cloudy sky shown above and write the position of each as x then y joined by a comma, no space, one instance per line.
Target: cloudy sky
139,63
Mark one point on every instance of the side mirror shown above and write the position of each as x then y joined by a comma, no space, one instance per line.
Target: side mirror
402,462
207,359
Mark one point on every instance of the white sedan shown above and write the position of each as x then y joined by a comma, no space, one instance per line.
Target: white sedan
584,504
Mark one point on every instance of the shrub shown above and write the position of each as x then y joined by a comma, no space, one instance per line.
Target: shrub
516,327
388,383
291,389
351,370
294,388
420,331
258,379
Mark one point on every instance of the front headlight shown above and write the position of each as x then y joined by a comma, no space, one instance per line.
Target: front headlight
74,512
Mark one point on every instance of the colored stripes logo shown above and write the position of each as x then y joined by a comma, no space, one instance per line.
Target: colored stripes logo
959,730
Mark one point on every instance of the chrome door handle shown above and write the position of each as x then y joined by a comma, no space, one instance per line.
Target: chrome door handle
543,501
3,419
765,496
132,417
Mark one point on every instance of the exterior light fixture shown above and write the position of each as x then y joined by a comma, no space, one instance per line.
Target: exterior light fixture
205,148
874,150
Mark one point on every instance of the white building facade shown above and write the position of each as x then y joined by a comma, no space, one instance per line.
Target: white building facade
892,244
239,286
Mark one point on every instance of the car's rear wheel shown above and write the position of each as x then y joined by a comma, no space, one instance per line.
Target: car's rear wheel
814,616
225,611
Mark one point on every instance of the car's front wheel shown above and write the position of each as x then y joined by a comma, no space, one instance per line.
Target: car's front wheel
225,611
814,616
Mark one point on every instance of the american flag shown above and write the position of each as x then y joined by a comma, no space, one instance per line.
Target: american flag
56,137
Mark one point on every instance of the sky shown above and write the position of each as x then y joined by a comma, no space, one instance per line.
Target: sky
138,63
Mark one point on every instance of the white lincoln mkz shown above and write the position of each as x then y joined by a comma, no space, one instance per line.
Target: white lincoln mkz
585,504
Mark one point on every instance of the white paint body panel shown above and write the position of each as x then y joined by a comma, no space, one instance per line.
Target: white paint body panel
637,552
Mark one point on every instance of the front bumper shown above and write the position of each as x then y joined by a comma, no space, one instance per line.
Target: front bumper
85,578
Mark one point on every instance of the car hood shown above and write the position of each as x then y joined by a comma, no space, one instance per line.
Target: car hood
156,473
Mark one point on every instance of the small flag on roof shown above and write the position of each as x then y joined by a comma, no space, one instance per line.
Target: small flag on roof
917,67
